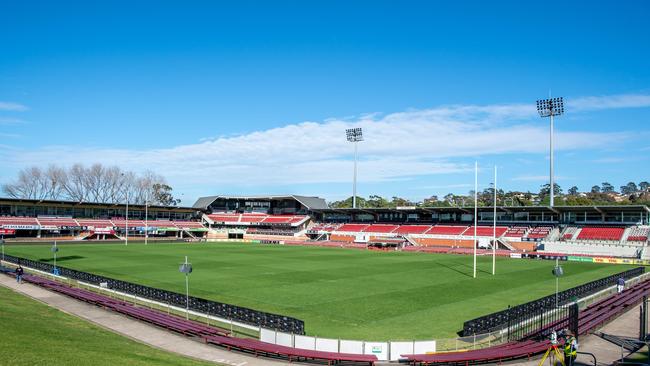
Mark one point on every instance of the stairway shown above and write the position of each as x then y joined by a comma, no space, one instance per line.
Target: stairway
411,240
505,243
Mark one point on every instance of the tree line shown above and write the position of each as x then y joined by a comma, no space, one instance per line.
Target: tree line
95,183
603,194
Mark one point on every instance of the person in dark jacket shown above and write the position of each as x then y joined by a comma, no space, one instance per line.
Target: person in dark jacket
19,274
620,284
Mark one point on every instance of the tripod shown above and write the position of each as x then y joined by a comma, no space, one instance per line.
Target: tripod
552,351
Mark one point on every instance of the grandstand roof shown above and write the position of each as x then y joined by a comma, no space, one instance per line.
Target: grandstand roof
310,202
470,209
25,201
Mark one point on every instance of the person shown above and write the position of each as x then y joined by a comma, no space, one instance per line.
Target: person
620,284
570,349
19,274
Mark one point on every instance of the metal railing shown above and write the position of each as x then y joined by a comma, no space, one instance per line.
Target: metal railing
214,308
504,319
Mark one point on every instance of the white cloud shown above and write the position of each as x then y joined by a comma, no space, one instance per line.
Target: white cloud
397,146
9,135
11,106
10,121
608,102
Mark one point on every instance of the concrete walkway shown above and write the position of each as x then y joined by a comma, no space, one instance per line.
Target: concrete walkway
627,325
136,330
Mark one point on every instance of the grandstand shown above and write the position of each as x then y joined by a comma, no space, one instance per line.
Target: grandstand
44,219
617,231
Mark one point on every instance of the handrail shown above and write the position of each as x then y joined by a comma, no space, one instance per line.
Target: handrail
590,354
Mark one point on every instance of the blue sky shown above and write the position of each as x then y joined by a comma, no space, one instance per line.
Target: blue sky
254,97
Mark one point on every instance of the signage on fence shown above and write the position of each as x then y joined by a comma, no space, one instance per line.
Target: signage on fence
379,349
7,231
104,230
574,258
72,228
21,227
607,260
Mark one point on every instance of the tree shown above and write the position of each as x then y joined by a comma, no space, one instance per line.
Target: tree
400,202
606,187
162,195
431,201
96,183
595,189
545,190
347,203
376,201
629,188
573,191
643,186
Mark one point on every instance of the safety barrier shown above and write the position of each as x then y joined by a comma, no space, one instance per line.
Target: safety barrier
503,319
228,311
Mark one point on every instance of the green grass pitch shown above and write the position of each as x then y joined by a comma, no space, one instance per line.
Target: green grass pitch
339,293
36,334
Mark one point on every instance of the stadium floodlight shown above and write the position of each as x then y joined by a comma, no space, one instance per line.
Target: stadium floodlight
550,108
354,135
187,269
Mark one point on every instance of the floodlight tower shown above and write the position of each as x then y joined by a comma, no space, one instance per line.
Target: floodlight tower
354,135
549,108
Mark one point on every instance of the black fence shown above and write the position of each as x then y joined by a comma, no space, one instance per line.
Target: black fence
227,311
514,315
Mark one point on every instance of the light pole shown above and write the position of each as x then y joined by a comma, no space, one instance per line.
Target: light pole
187,269
54,250
354,135
126,229
475,210
126,238
2,242
557,272
146,220
494,226
549,108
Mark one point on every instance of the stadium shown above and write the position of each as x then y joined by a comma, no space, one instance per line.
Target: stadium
287,276
330,183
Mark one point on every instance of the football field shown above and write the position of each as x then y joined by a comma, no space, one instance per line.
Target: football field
339,293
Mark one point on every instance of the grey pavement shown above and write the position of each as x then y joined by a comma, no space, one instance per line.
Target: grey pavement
627,325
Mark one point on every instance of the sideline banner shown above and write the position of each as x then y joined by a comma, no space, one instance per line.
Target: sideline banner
575,258
609,260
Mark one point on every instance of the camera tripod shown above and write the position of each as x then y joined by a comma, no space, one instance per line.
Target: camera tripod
552,351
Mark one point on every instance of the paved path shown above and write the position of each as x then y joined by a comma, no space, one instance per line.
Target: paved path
627,325
137,330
